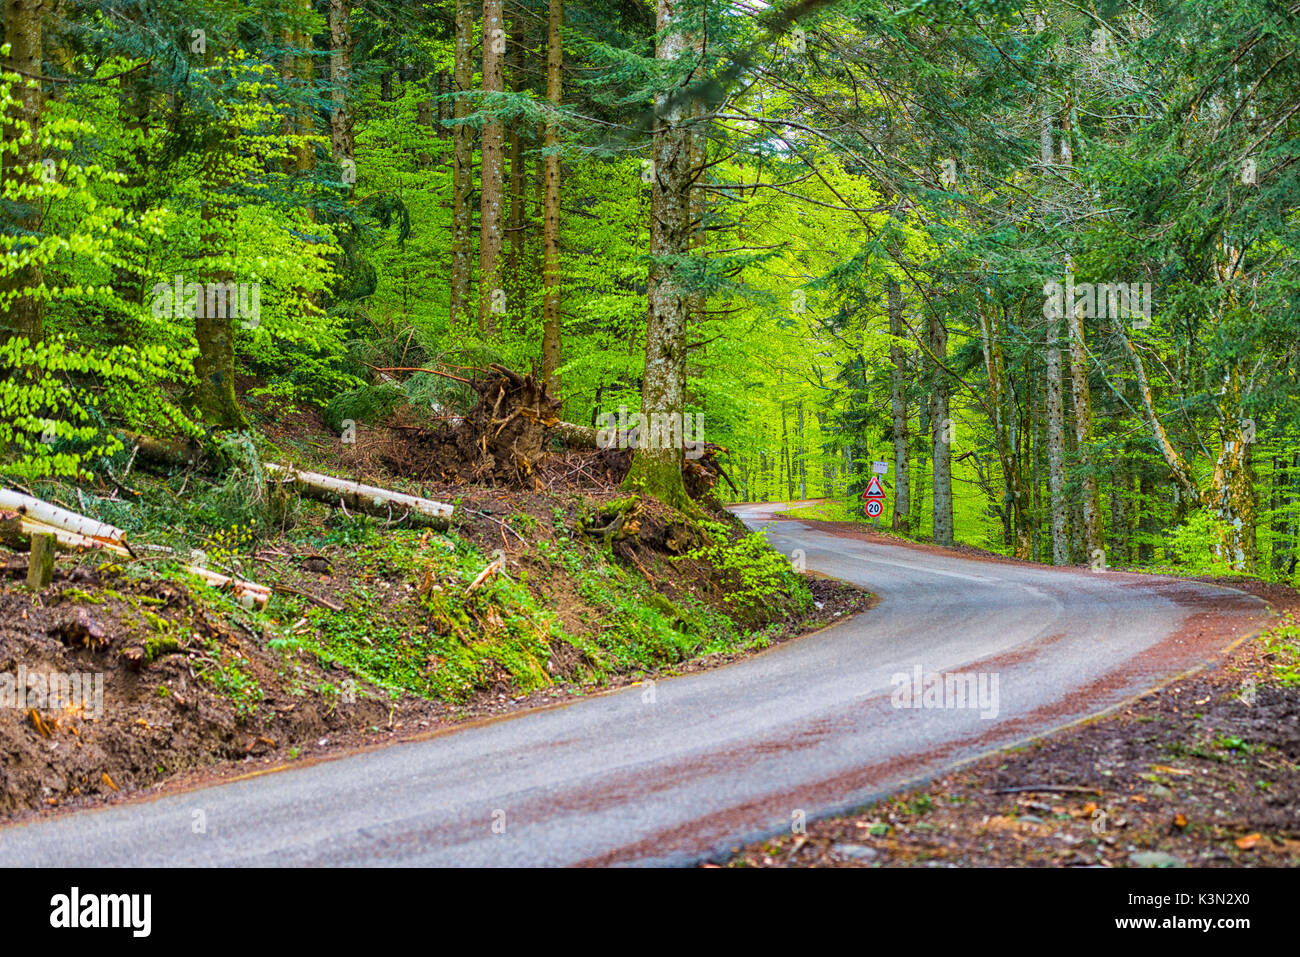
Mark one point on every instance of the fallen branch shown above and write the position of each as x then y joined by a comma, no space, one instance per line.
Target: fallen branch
492,569
445,375
365,498
504,525
314,599
1050,789
257,594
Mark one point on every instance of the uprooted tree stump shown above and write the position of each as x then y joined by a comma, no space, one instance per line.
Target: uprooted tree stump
501,441
700,473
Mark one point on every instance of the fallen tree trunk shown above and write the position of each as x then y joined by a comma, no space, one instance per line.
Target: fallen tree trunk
173,453
17,529
22,518
60,518
365,498
576,436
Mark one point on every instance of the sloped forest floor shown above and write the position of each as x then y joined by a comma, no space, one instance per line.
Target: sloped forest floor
1203,772
375,631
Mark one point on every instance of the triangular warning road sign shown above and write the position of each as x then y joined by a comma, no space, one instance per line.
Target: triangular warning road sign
874,488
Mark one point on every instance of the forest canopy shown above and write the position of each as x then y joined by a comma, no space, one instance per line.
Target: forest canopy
1039,260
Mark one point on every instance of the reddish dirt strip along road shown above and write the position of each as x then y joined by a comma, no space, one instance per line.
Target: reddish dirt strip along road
683,770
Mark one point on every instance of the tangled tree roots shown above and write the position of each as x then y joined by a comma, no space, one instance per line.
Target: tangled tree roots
611,466
506,439
502,441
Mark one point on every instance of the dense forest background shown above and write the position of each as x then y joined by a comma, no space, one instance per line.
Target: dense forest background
832,229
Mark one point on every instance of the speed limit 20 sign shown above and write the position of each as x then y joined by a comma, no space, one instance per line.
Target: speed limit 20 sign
874,497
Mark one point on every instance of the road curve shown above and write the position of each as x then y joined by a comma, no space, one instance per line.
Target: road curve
709,759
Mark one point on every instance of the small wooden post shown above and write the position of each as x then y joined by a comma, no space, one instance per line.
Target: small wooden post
40,566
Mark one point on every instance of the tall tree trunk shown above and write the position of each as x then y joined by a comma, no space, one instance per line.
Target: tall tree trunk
1233,495
342,145
214,368
786,464
551,319
659,469
898,406
1036,480
801,450
462,175
1059,506
424,120
1001,406
1147,526
22,312
1093,541
941,430
130,279
919,486
1292,520
1119,514
492,174
519,181
1279,554
828,454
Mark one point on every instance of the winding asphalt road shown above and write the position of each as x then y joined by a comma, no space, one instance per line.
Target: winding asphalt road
696,764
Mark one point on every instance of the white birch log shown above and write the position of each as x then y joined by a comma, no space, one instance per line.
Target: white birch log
255,594
48,514
17,529
365,498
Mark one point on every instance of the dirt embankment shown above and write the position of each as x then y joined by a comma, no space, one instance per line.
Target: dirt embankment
374,632
160,690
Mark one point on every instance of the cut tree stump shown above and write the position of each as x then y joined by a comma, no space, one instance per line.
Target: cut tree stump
40,567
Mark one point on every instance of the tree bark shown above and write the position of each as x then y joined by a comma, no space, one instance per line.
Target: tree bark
1002,408
898,405
1058,505
659,470
801,450
365,498
462,216
941,430
214,367
515,266
551,317
1093,540
492,174
1232,484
